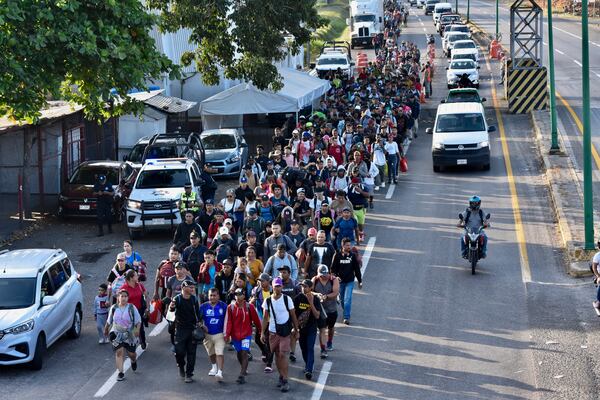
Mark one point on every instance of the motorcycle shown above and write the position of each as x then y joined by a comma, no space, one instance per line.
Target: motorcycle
473,239
464,81
430,39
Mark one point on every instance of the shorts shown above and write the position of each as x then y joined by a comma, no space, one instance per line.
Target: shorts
279,343
130,348
214,344
360,215
243,344
331,319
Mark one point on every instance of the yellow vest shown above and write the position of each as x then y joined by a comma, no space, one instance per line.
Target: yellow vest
185,198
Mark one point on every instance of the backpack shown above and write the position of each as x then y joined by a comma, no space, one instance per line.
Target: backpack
468,215
166,269
130,306
119,281
223,252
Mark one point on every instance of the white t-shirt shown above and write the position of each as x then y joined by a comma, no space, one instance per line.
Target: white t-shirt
315,203
231,207
391,147
278,306
596,259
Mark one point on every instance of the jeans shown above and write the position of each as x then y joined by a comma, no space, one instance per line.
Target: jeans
463,245
346,297
100,322
380,176
392,160
185,348
427,86
307,345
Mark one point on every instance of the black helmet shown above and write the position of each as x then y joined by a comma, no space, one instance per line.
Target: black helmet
474,203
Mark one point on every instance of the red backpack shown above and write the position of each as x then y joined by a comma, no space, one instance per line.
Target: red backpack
166,269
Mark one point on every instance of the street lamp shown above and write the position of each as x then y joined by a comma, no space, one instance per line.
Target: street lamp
553,128
588,196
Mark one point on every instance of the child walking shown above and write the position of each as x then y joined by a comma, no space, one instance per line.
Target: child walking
101,306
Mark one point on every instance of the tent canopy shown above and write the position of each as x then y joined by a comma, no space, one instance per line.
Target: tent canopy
300,90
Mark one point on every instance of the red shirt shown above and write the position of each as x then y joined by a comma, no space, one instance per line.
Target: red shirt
135,294
335,151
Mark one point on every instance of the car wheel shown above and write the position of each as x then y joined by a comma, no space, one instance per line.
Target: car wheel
40,351
133,235
437,168
75,331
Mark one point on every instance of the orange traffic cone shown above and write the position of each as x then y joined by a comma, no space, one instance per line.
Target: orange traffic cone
422,97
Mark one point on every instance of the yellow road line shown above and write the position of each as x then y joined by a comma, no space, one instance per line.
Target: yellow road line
580,126
525,268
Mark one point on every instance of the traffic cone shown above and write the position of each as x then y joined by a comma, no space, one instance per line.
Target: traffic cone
422,97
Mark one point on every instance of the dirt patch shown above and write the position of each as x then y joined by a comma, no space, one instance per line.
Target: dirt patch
90,258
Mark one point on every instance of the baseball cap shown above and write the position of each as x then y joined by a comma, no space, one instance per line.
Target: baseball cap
325,203
180,264
301,190
250,233
244,180
322,269
284,268
239,291
209,201
307,283
270,162
187,186
265,197
281,246
294,222
346,209
264,277
278,282
224,230
121,257
312,231
228,221
188,283
252,210
227,261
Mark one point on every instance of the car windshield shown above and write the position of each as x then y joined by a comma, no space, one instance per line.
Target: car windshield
449,18
335,61
167,178
459,28
88,175
16,293
364,18
454,38
469,122
136,154
464,56
462,64
463,97
464,45
218,142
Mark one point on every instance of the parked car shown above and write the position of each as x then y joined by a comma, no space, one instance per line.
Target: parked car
460,67
40,301
77,195
463,95
226,151
167,145
154,200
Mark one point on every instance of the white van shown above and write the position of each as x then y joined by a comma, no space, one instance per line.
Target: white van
460,136
439,9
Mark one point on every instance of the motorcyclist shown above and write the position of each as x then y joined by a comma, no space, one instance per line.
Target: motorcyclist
464,81
474,219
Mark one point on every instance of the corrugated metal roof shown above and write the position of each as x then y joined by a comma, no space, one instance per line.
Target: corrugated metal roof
55,109
170,104
143,96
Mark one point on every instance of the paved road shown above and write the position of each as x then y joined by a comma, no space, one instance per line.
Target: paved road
423,326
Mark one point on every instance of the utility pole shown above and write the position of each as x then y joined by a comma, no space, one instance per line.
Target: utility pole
554,148
456,6
588,200
468,11
497,9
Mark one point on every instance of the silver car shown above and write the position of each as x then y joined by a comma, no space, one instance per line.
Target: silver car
225,150
40,301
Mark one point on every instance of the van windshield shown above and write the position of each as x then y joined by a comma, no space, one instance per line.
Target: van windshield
467,122
17,293
364,18
158,179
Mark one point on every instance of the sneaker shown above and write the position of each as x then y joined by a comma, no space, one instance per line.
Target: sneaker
382,184
280,381
144,345
188,379
347,321
324,354
101,341
219,375
329,346
264,359
121,376
292,357
308,375
268,369
173,349
376,188
182,372
213,371
596,304
241,379
483,255
395,182
250,356
134,366
285,386
371,206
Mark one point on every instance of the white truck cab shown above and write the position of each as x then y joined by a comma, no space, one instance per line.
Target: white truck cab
154,200
460,136
366,21
439,9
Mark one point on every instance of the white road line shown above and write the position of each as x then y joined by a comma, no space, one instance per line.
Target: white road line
567,32
425,29
422,24
595,44
318,391
110,382
559,52
578,63
367,254
597,74
390,191
545,44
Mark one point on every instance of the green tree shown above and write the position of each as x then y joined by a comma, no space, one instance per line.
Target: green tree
76,50
243,37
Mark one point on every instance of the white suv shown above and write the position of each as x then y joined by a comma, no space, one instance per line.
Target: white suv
40,300
154,200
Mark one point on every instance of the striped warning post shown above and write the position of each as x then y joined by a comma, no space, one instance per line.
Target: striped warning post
526,88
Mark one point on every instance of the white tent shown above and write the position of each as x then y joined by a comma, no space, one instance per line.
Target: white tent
299,90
